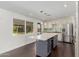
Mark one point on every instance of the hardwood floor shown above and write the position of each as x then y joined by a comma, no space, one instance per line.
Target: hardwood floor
24,51
62,50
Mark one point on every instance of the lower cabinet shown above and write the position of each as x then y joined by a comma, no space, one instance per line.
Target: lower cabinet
55,41
44,48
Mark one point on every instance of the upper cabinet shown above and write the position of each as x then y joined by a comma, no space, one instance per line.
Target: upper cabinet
53,27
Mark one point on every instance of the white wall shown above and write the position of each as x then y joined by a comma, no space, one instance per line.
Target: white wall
7,40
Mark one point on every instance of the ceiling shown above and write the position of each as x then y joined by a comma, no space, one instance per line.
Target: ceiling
43,10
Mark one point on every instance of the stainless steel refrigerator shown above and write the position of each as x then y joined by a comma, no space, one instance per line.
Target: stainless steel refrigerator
68,33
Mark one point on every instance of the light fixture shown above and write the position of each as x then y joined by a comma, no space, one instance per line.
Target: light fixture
48,15
41,11
65,5
45,13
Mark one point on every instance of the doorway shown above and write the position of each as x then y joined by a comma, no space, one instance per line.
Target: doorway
39,28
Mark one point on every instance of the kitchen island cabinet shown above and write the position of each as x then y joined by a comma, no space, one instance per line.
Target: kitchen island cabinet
45,43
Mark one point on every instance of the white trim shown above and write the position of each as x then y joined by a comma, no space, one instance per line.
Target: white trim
76,43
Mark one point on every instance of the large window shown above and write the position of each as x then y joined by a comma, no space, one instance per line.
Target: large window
18,26
29,27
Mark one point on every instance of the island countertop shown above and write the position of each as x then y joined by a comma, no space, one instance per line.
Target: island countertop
46,36
43,36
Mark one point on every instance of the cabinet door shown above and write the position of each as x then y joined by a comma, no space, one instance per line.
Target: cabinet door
55,41
42,48
52,44
49,46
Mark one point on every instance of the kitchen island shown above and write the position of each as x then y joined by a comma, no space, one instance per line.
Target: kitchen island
45,43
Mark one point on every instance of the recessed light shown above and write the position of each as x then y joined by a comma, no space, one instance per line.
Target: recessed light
41,11
45,13
48,15
65,5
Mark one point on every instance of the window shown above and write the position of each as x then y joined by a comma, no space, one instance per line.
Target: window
29,27
18,26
